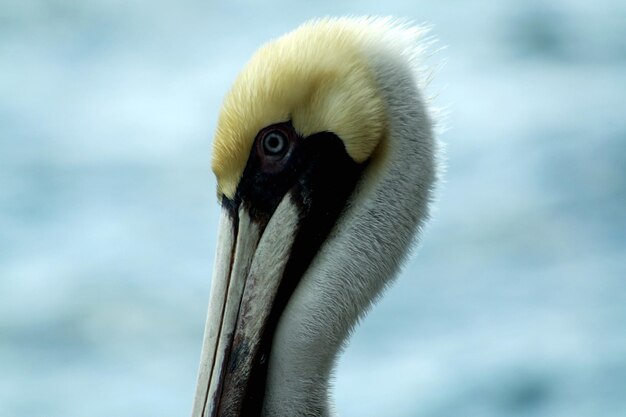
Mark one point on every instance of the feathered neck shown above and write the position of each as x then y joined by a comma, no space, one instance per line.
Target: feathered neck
365,249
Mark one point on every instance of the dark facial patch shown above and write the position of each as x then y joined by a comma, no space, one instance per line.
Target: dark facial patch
320,176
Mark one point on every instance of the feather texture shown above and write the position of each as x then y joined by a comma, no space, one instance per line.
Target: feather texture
319,77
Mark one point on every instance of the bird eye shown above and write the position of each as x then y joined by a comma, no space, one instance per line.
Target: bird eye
275,143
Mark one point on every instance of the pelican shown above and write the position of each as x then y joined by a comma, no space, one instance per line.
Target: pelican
326,161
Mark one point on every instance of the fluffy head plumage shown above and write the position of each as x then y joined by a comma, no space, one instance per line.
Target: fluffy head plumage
316,76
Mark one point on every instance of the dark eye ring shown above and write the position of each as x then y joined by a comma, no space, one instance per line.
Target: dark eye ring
275,143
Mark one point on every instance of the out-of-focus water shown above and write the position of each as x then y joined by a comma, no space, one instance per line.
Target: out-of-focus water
515,305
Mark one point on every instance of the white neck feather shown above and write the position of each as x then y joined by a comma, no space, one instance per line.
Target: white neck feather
363,252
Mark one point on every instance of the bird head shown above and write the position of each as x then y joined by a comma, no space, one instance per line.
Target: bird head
304,127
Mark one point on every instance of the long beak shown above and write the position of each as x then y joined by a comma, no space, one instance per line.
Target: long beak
249,265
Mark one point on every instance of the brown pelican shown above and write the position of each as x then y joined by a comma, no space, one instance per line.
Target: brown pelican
325,161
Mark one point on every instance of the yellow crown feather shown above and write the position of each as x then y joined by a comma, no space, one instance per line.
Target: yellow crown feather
316,76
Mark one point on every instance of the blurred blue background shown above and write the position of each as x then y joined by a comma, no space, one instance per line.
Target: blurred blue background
515,305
